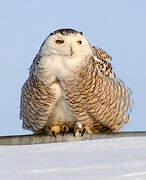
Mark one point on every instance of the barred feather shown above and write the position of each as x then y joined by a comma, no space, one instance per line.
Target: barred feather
37,104
98,102
103,61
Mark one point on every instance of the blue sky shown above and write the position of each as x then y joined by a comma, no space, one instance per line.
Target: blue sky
119,27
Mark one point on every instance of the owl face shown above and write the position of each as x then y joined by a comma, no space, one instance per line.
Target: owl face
66,42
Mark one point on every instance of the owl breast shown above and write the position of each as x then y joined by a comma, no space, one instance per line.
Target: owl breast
47,70
62,112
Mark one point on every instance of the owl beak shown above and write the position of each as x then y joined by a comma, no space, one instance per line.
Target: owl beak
71,51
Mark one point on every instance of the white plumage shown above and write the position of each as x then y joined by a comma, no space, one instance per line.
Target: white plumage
71,87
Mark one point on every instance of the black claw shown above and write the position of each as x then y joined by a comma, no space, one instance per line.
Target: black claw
72,131
53,133
64,129
83,132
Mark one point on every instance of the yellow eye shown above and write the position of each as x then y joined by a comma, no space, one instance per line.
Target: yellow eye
59,41
79,42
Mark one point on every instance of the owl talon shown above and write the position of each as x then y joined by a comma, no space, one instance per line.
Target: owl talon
83,132
65,128
72,131
63,132
86,130
53,133
55,130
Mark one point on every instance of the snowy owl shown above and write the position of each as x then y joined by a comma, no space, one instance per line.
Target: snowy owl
72,88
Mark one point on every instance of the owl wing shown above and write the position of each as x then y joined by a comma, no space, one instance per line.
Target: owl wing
100,103
109,101
37,101
103,61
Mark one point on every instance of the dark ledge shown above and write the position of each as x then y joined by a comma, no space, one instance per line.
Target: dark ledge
41,139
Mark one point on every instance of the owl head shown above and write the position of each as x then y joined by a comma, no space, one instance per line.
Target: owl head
66,42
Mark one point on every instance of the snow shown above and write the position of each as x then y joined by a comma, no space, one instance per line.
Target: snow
119,158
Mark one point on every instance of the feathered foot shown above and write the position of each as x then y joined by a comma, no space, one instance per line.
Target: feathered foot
78,128
55,130
81,130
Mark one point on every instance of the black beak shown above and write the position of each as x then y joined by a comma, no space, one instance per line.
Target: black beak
71,52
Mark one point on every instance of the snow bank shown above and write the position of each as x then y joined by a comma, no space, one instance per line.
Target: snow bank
121,158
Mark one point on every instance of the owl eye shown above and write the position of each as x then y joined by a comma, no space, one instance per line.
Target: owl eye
59,41
79,42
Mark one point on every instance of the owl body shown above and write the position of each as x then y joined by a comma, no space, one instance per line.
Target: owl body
71,85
